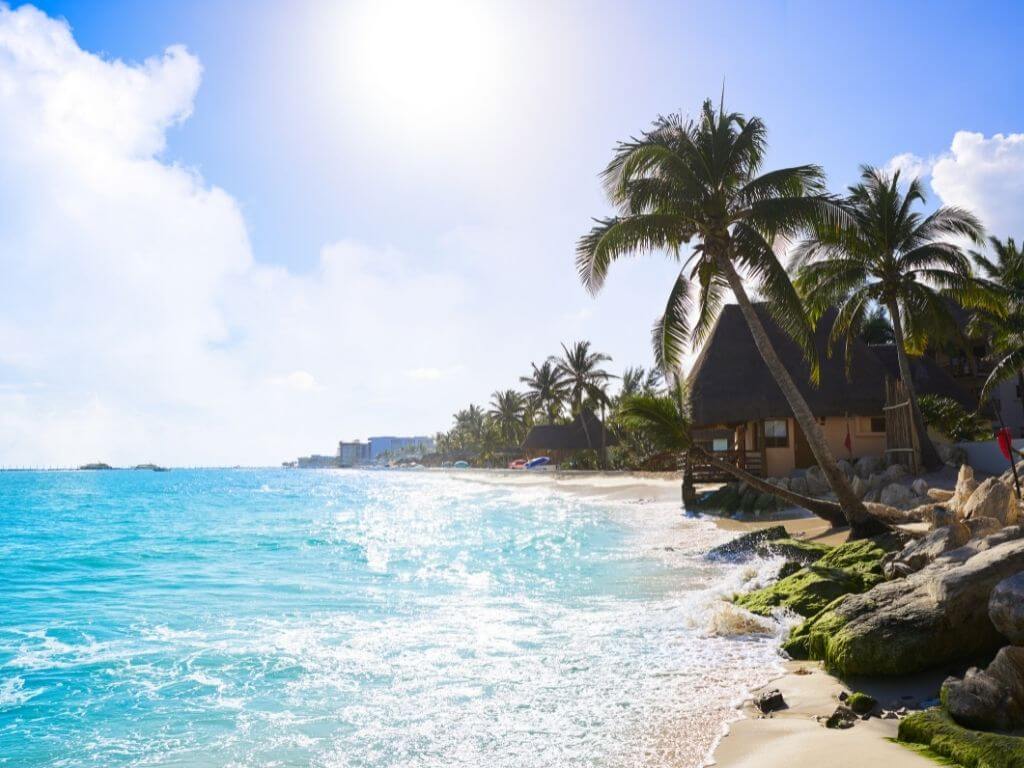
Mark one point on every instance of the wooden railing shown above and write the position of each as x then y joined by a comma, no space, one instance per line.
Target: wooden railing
703,472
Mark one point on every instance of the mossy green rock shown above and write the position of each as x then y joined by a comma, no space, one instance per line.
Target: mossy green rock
935,616
863,556
805,592
803,552
936,730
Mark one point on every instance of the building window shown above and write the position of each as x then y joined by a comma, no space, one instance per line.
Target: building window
871,425
776,433
720,444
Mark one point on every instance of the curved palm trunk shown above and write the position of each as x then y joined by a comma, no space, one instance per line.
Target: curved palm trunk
852,507
828,511
929,456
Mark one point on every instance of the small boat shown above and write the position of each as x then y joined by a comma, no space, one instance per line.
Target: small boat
461,465
517,464
540,461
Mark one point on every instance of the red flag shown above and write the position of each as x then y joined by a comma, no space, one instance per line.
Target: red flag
848,442
1005,443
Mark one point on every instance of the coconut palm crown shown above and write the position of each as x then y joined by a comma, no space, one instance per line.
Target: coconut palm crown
1003,274
699,183
508,414
547,390
888,254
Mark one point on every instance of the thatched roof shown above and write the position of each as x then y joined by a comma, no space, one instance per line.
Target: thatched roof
730,382
929,377
569,437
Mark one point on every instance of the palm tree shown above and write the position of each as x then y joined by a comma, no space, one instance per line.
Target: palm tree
639,381
665,421
876,328
1004,323
470,424
508,414
547,390
586,382
697,181
885,253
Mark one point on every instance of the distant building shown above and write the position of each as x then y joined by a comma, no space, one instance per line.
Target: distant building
316,461
353,454
396,447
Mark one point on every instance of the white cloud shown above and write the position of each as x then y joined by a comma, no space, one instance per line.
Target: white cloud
909,165
985,175
135,324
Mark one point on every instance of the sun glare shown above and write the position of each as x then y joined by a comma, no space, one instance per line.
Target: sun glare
433,65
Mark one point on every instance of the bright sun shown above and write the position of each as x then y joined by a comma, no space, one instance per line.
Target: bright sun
433,65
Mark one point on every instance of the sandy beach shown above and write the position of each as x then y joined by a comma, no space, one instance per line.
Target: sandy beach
793,737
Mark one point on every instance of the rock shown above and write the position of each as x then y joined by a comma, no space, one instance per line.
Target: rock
895,472
817,485
795,550
814,472
872,495
982,526
939,494
895,495
788,568
1006,608
877,481
920,486
861,703
771,701
942,516
992,699
992,498
845,467
798,485
863,556
746,544
965,485
937,731
859,486
920,553
843,717
867,466
1007,476
805,592
932,617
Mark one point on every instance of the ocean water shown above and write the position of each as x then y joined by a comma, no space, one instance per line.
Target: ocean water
338,618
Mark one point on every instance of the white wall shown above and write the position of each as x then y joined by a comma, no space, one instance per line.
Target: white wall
985,456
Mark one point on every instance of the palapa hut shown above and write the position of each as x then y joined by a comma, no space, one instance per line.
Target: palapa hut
560,441
739,411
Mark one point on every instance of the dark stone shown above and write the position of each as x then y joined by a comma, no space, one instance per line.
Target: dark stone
746,545
771,701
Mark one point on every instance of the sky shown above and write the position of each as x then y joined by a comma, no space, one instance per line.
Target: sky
237,232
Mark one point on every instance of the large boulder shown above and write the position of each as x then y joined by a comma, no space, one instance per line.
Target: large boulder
877,481
935,729
965,485
851,567
845,467
794,550
1006,608
1007,476
989,699
817,485
917,554
932,617
896,495
746,544
982,526
993,498
895,472
866,466
920,486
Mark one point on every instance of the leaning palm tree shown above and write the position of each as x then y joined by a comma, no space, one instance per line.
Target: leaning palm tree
665,421
508,414
890,255
696,181
547,390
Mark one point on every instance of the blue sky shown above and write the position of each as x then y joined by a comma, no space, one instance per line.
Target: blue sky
454,152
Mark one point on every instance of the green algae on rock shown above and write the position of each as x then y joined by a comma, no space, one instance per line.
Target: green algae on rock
796,550
937,731
805,592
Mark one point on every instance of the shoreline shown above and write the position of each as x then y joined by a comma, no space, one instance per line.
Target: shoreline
793,737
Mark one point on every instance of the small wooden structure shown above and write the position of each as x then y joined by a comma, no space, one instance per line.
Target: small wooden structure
902,445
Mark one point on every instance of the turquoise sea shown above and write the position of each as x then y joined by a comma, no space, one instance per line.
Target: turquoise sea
340,618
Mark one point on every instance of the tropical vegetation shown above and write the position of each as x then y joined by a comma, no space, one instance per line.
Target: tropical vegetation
887,254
